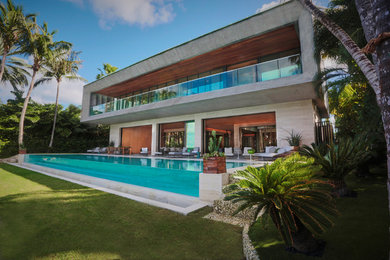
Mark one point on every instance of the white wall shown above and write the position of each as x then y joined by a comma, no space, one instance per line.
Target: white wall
297,116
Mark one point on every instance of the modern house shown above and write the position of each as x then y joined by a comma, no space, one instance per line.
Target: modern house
251,82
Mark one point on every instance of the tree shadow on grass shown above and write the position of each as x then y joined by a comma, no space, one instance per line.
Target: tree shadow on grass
50,182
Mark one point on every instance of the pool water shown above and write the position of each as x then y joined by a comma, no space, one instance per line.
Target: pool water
178,176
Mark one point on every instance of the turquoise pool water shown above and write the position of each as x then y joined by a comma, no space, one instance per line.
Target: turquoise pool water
178,176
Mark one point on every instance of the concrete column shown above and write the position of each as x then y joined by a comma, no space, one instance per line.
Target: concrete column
210,186
237,139
21,158
154,138
198,133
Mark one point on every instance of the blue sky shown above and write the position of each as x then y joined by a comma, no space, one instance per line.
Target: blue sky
122,32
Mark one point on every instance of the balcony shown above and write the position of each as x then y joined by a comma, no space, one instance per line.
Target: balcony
274,69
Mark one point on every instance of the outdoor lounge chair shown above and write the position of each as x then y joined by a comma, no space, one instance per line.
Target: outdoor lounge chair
94,150
144,151
228,151
196,151
103,150
272,152
187,151
174,152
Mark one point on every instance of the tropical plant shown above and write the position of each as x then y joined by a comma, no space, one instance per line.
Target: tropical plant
15,72
62,64
338,160
294,138
38,43
12,29
290,192
107,69
213,146
376,27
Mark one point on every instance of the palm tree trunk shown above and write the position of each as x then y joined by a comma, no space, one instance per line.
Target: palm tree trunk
55,115
22,116
357,54
3,64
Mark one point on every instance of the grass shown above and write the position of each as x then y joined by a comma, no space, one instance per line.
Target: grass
47,218
360,232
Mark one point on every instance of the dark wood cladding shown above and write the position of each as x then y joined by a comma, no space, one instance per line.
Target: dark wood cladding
137,137
276,41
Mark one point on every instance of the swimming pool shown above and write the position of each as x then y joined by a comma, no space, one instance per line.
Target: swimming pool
178,176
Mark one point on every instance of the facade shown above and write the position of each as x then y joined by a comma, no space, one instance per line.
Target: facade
251,82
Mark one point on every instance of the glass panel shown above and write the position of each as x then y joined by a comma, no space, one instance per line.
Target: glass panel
289,66
268,70
273,69
190,134
246,75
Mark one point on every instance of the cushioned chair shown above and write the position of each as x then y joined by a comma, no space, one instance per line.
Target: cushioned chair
228,151
144,151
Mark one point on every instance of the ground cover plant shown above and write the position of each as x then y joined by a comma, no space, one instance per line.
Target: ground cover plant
47,218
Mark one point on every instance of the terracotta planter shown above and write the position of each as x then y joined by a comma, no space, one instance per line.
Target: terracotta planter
214,165
295,148
22,151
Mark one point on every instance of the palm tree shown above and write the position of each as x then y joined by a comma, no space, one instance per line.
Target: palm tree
375,22
107,69
12,21
291,194
15,72
38,43
63,64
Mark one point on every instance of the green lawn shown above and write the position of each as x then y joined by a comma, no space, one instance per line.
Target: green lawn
360,232
47,218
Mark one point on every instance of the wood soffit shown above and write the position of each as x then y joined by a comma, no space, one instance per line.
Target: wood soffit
276,41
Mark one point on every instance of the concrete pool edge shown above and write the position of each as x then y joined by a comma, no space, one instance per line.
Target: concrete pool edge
172,201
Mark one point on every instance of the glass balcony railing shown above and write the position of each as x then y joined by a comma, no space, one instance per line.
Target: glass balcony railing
274,69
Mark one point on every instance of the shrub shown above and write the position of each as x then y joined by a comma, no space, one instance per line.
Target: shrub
290,192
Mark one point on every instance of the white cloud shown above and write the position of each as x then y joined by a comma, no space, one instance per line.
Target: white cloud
267,6
70,92
141,12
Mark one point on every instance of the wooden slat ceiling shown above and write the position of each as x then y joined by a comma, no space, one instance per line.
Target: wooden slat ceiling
227,123
276,41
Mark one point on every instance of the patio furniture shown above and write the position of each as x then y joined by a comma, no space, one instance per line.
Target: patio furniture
246,149
228,151
273,152
187,151
196,152
103,150
144,151
238,152
174,152
94,150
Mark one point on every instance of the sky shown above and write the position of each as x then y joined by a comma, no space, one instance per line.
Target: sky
122,32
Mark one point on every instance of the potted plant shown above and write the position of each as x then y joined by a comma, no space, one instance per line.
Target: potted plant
294,139
214,161
22,149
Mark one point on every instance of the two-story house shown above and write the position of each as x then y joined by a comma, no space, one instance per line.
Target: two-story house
251,82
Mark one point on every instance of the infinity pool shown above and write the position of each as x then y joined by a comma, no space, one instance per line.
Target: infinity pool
178,176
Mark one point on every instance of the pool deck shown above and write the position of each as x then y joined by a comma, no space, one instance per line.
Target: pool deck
179,203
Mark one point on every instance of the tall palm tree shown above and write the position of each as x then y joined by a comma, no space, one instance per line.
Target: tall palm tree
63,64
38,43
12,21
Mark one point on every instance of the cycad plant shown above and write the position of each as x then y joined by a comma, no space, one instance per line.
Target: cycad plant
337,160
290,192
